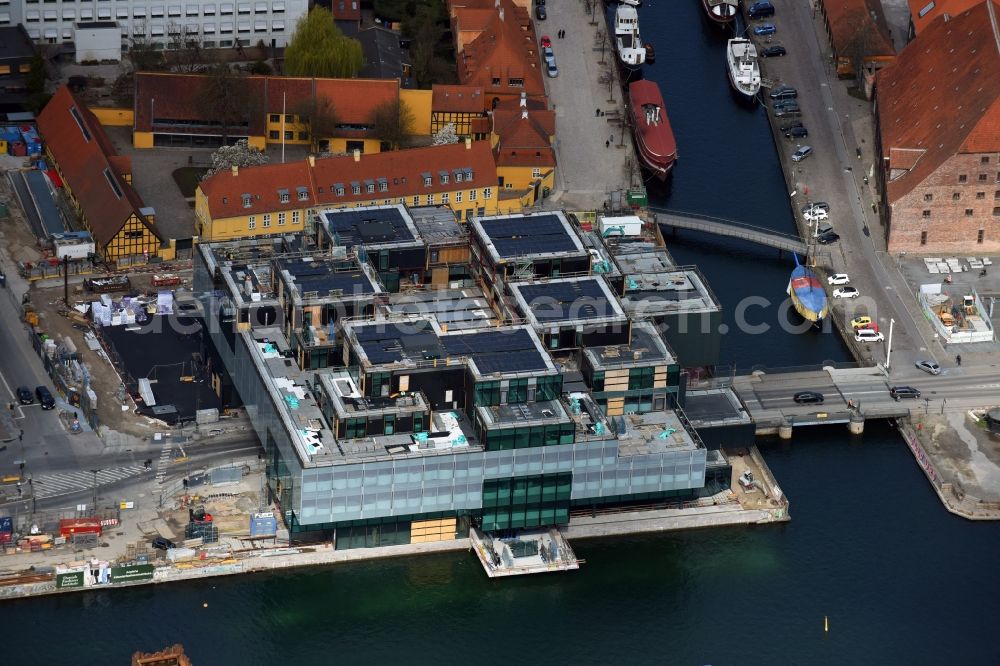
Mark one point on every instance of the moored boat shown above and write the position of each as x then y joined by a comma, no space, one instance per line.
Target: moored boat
653,135
720,11
807,293
743,67
631,52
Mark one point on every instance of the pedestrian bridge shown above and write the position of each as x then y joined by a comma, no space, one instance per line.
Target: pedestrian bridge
730,229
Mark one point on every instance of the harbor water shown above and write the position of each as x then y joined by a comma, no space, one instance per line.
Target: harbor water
869,547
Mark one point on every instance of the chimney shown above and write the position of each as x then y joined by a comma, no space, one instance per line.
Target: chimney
236,170
468,143
357,155
524,99
312,160
501,13
524,114
946,17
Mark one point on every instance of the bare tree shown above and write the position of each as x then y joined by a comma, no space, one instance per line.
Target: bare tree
186,52
225,97
392,122
320,116
864,39
142,54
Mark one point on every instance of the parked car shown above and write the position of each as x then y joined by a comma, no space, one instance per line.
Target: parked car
822,205
783,92
760,10
784,111
799,132
929,367
861,322
808,397
161,543
548,54
785,103
773,51
828,237
45,398
802,153
868,335
552,70
540,12
815,215
838,279
765,29
546,41
900,392
791,124
846,292
24,395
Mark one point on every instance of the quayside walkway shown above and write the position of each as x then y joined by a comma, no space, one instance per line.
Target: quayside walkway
730,229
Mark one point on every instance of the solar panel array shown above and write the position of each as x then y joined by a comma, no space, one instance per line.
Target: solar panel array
522,236
323,278
350,225
570,300
497,350
389,343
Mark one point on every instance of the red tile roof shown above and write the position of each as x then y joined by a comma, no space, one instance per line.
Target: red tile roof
86,158
852,20
505,50
346,10
402,170
940,97
177,98
458,99
525,134
472,19
932,9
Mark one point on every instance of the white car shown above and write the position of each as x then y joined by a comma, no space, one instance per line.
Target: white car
816,215
846,292
868,335
838,279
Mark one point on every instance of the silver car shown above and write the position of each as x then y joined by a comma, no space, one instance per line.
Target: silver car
802,153
929,367
552,70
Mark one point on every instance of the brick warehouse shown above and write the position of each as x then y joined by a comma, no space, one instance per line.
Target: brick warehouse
940,157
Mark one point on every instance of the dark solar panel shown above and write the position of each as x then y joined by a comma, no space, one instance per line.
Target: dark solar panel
578,299
381,225
528,235
326,278
388,343
497,351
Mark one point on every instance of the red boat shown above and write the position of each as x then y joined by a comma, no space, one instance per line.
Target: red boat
651,127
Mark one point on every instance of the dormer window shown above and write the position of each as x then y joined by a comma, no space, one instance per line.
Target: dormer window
468,175
283,196
458,176
427,179
247,200
370,186
356,188
383,185
444,177
303,193
338,189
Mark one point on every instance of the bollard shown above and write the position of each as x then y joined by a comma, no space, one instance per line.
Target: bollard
856,426
785,430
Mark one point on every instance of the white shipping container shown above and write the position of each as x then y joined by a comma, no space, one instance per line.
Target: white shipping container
628,225
74,249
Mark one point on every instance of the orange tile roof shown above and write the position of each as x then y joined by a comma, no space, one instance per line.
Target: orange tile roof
940,97
505,50
525,134
850,20
458,99
402,170
932,9
86,160
346,10
176,95
472,19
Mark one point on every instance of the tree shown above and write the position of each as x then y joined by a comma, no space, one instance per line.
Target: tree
320,116
240,154
319,48
186,52
142,53
261,68
445,135
225,97
392,122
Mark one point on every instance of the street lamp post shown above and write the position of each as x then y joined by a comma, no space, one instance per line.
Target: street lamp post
94,472
888,354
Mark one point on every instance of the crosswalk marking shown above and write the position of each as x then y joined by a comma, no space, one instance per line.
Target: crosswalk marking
64,483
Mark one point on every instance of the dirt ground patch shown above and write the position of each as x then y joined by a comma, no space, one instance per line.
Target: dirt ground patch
187,179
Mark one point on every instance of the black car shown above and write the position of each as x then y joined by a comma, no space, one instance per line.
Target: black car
540,12
779,103
790,110
783,92
900,392
160,543
773,51
808,398
828,237
45,398
788,126
797,132
24,395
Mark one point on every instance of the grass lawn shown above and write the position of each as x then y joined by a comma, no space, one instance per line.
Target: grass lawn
187,179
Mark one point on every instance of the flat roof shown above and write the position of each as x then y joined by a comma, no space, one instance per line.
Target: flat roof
315,277
410,340
437,225
349,402
654,432
507,350
645,347
654,285
454,309
371,226
536,235
521,414
576,300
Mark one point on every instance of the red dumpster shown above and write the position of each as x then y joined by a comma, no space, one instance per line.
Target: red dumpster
70,526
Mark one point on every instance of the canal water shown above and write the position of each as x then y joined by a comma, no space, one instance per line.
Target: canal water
900,580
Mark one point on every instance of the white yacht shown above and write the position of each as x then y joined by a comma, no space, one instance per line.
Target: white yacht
631,51
744,70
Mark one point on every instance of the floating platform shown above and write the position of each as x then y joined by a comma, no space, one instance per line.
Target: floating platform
541,551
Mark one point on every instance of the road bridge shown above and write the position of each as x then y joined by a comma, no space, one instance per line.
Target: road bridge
730,229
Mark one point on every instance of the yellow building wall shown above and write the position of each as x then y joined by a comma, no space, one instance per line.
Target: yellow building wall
210,229
142,139
113,117
419,103
134,239
295,126
339,145
519,178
